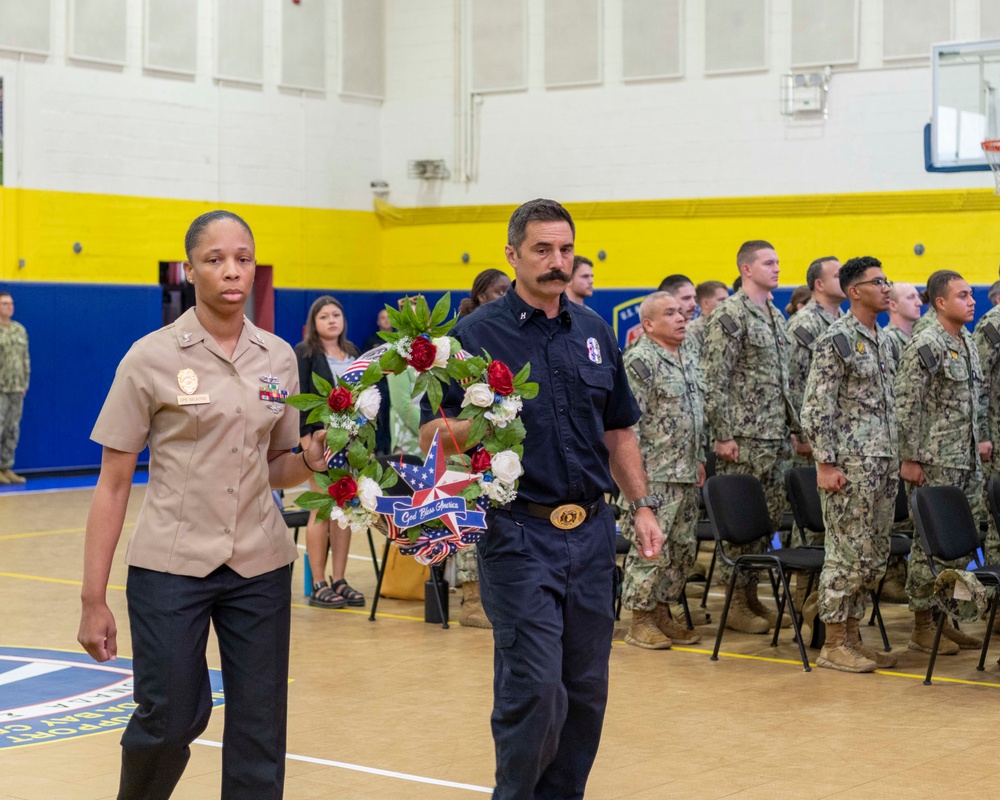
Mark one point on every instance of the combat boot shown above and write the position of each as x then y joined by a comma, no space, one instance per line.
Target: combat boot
882,659
699,616
471,614
837,655
922,638
759,609
674,631
799,596
964,640
810,611
643,632
741,618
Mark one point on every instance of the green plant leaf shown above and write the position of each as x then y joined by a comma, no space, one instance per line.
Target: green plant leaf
476,430
316,415
336,439
393,362
461,460
322,480
322,386
357,455
434,394
395,316
313,500
371,375
441,310
389,479
528,391
459,369
323,514
423,313
366,435
305,402
471,493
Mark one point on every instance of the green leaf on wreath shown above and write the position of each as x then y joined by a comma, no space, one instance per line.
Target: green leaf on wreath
459,369
441,310
528,391
395,316
321,384
423,313
323,514
389,479
372,375
522,375
461,460
434,394
322,480
357,454
366,435
471,493
313,500
393,362
477,429
305,402
336,439
316,415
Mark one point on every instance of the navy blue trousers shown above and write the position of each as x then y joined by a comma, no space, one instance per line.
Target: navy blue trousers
169,617
549,594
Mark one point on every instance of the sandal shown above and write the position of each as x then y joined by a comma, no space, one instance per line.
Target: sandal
351,596
324,597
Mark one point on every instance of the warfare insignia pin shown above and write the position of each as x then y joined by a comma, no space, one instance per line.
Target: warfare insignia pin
187,380
594,350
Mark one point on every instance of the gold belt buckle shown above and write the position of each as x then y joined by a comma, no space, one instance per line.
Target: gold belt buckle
568,516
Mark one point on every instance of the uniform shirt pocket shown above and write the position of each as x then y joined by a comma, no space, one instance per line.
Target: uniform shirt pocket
597,385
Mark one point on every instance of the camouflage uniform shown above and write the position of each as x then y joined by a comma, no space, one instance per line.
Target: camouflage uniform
694,338
849,415
15,371
929,316
898,336
987,339
942,418
804,329
669,391
745,363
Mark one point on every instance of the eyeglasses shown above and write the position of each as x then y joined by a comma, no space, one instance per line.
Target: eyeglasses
878,282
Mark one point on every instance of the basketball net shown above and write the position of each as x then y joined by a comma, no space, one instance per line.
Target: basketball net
991,149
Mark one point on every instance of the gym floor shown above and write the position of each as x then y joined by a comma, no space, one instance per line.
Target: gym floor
399,708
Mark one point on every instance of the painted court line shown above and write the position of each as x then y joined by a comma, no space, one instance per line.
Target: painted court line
470,787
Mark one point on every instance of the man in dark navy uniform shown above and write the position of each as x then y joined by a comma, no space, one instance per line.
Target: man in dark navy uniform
547,561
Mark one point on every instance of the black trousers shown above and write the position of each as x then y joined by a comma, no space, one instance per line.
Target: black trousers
169,617
549,594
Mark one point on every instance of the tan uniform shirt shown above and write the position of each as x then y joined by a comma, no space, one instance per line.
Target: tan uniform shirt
209,498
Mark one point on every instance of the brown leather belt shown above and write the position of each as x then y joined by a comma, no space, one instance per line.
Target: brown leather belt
565,517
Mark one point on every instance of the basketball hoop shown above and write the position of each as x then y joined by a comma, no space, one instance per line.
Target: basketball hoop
991,149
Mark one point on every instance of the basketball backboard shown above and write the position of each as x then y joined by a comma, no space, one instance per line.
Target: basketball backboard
965,87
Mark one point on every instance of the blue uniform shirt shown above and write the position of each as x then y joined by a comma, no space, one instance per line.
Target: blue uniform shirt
582,392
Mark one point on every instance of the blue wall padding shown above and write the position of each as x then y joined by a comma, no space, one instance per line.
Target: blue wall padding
79,332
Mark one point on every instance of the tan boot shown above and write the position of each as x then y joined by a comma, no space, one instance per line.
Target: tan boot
13,477
643,632
759,609
3,478
882,659
741,618
799,595
922,638
810,611
674,631
964,640
837,655
471,614
699,616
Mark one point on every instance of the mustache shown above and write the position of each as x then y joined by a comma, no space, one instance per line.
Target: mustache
555,275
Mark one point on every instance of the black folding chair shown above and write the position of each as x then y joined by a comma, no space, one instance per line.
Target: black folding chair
738,511
437,572
948,531
803,494
703,532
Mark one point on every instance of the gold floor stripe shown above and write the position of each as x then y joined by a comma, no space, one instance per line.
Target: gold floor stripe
7,536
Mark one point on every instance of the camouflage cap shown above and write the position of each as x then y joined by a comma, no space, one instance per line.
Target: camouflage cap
960,594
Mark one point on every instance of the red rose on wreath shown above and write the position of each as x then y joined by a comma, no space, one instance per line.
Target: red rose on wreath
481,460
501,379
344,490
422,354
340,399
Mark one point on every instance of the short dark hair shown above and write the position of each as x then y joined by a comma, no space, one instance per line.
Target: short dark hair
579,261
815,271
738,283
4,293
706,289
197,228
852,270
539,210
673,282
937,285
993,292
749,249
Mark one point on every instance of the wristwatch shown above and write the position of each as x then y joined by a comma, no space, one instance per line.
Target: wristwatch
649,501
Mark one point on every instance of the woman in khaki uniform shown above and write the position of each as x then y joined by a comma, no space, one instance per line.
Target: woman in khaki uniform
207,396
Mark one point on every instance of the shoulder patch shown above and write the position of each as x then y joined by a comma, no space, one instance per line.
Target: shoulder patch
805,337
991,333
842,346
927,358
729,324
641,370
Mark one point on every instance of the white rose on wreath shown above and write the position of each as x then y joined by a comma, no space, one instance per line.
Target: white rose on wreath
479,395
506,467
368,493
369,402
504,412
442,347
